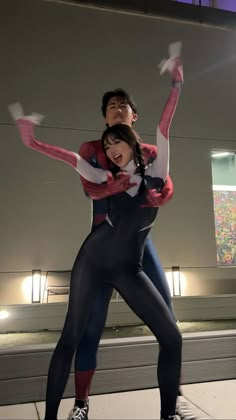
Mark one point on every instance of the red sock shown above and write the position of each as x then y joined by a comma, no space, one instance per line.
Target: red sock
83,381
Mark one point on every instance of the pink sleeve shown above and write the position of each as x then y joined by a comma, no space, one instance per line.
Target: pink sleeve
26,129
161,166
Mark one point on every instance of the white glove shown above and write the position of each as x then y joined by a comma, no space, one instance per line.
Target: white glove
174,50
16,112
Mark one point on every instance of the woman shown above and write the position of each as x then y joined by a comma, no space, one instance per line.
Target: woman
112,253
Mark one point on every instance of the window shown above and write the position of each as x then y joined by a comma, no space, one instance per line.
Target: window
224,195
207,3
229,5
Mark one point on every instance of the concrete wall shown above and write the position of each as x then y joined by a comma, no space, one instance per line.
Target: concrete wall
37,317
16,289
123,364
58,59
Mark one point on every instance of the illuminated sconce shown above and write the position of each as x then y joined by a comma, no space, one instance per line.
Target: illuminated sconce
4,314
176,281
36,286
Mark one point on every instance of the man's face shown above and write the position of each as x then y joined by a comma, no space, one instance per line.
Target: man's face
119,112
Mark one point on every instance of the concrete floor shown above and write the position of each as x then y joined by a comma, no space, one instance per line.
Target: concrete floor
211,400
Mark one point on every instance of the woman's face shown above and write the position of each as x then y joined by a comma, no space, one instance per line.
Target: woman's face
118,151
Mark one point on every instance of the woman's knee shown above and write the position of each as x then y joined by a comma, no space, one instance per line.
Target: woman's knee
172,340
175,340
69,340
66,346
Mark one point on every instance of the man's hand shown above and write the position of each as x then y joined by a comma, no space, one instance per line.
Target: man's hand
119,184
156,199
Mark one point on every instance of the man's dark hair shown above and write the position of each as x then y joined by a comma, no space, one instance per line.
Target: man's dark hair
120,93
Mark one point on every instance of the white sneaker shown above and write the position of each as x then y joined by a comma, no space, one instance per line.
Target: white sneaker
79,413
183,409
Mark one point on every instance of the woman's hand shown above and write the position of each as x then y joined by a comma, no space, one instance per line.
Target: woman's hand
25,123
173,63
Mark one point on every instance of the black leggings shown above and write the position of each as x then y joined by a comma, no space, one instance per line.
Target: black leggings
86,355
126,276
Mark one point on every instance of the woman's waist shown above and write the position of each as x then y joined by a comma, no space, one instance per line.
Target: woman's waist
108,238
131,225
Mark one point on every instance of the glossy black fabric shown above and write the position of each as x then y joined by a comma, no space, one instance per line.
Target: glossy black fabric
112,254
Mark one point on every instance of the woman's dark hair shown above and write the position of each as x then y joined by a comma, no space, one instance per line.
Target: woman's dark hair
118,93
126,133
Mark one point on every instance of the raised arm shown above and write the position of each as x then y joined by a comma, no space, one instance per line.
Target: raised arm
160,167
26,127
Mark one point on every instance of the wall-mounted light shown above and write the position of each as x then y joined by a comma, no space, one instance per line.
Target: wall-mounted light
221,154
36,286
176,281
4,314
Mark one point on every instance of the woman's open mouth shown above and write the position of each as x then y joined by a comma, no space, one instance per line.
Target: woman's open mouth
117,158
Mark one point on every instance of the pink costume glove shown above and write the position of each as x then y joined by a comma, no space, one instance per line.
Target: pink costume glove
119,184
158,199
